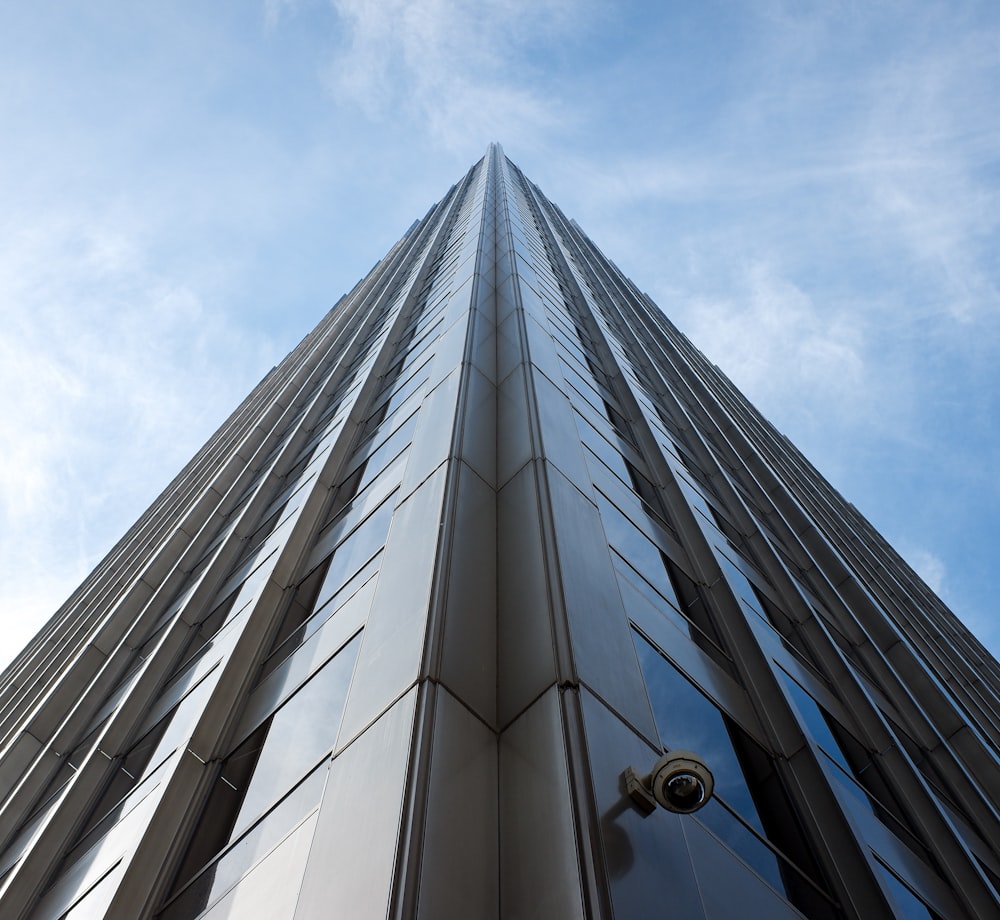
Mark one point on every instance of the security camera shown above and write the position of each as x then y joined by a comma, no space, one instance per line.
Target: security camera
680,781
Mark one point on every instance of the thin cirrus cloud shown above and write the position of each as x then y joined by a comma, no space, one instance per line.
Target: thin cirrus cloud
821,355
97,348
930,149
460,68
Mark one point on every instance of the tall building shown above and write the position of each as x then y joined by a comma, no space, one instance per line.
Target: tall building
409,633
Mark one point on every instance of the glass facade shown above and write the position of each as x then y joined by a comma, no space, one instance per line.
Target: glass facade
492,534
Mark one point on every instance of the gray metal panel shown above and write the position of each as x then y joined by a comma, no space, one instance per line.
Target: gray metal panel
113,849
449,348
432,440
460,300
526,659
531,303
509,352
16,757
541,348
479,426
314,652
271,889
729,889
392,647
94,904
539,867
513,432
354,850
483,353
599,629
459,870
469,643
560,439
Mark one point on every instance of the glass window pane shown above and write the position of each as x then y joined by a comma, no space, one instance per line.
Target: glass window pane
94,904
907,904
261,840
356,550
688,720
299,733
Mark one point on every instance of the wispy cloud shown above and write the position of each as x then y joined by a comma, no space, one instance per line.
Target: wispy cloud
109,384
780,346
275,10
929,123
460,68
930,567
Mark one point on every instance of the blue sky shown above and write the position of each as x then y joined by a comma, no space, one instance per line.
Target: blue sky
809,190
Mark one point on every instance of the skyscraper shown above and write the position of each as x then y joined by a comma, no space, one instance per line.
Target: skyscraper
409,633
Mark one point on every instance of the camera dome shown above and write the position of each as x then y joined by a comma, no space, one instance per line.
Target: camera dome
681,782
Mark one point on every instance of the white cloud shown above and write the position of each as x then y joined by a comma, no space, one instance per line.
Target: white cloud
458,67
783,349
275,10
930,567
928,139
108,386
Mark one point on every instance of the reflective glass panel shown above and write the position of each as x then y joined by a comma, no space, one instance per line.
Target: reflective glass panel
744,776
247,851
298,734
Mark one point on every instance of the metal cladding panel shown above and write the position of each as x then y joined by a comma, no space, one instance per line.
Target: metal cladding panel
526,659
469,631
458,871
539,867
353,853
